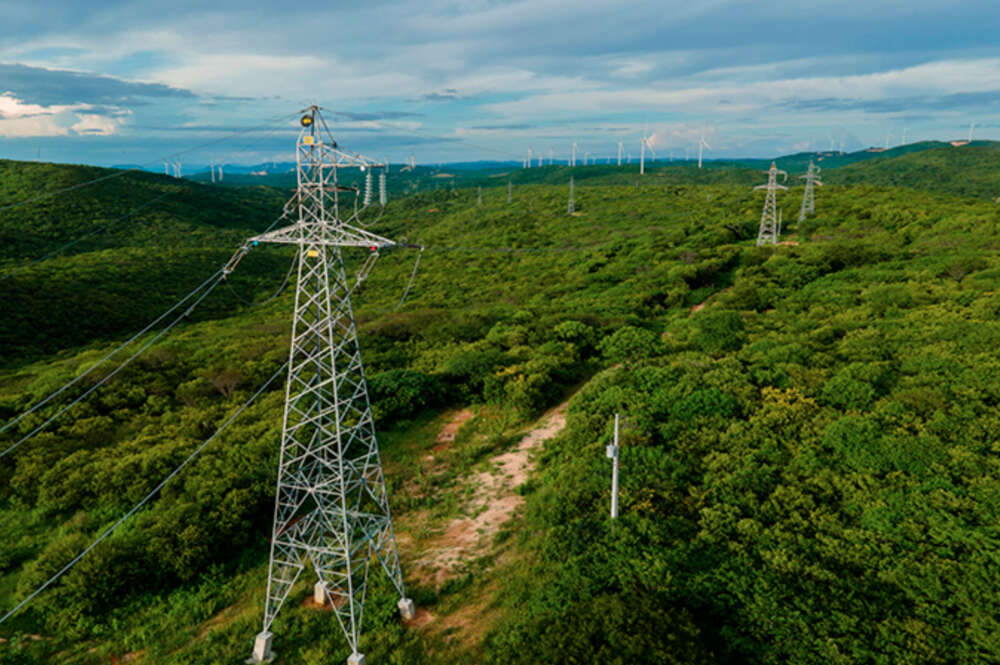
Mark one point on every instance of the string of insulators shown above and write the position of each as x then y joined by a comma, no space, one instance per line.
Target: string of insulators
383,197
368,188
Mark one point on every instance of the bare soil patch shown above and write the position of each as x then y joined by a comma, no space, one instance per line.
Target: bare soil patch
447,434
493,503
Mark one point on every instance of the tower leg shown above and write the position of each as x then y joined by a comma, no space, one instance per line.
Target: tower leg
406,610
319,593
262,648
356,659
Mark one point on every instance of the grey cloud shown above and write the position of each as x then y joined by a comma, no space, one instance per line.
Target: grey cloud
375,115
956,101
447,95
509,127
48,87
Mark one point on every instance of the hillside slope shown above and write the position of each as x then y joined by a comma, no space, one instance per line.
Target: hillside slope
971,170
807,460
111,253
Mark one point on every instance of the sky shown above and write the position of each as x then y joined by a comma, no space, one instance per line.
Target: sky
109,82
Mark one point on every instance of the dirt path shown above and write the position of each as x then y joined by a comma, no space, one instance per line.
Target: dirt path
700,306
493,502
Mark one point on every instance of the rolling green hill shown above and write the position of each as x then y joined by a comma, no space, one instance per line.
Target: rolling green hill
971,170
741,171
808,461
113,253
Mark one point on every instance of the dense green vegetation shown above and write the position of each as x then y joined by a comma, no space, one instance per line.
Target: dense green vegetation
971,170
115,253
807,469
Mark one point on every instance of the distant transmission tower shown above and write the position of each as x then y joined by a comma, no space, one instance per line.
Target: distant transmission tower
770,224
479,196
571,206
510,192
809,197
331,508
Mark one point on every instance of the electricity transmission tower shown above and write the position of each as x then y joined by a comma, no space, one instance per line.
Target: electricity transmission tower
770,222
809,197
571,206
331,507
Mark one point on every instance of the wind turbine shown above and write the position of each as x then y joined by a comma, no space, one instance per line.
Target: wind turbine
905,130
211,169
888,136
529,158
702,144
572,161
586,158
644,144
972,126
621,149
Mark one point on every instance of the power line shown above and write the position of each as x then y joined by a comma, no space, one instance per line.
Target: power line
218,276
107,532
127,342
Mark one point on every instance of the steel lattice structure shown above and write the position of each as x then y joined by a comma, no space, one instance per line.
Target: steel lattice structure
331,507
770,221
809,197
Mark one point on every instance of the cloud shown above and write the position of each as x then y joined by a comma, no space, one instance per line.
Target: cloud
448,95
19,119
48,87
375,115
955,101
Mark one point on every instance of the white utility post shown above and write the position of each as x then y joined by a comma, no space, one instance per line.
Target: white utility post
612,452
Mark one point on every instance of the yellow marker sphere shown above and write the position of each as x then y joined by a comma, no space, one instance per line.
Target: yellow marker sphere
307,120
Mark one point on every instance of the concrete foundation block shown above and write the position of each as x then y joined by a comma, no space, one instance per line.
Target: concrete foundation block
406,610
262,648
356,659
319,593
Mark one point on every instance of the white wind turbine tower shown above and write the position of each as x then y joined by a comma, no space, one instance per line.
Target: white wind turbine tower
572,161
552,155
621,149
702,144
887,139
529,157
905,130
644,143
972,126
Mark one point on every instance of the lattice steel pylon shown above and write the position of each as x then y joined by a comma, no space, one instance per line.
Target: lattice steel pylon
331,506
809,196
770,224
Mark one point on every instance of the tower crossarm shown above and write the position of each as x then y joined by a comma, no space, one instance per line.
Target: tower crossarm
331,235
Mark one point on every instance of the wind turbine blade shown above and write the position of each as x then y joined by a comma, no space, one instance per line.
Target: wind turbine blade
706,144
